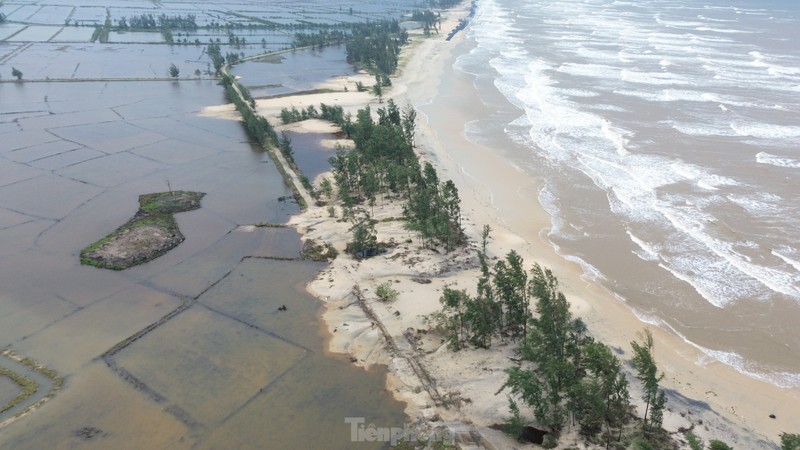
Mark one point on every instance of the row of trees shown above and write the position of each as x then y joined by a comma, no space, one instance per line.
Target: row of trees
433,210
261,131
236,41
149,22
442,4
565,375
333,114
215,53
376,46
383,163
428,19
500,307
320,39
258,128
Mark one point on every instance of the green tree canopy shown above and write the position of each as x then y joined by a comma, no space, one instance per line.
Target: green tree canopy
647,373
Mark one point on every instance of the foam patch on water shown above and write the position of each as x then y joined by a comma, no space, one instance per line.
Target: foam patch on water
783,253
605,107
773,68
766,131
723,30
590,272
618,136
702,129
701,176
781,379
724,276
590,70
648,319
760,204
706,80
647,251
653,78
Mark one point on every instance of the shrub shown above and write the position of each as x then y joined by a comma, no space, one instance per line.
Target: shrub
715,444
386,293
790,441
695,443
549,441
641,444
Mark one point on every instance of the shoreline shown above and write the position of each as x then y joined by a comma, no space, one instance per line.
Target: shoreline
732,406
744,401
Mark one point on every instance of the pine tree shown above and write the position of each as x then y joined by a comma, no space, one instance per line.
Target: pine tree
511,284
695,443
647,373
484,313
553,346
790,441
409,123
609,389
364,237
455,305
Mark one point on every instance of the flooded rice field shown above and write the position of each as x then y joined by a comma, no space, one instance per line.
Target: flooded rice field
189,350
229,370
293,71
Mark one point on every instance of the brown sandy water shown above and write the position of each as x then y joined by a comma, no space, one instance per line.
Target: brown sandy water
669,169
309,153
227,371
293,72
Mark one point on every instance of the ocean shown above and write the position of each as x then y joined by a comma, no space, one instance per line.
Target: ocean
666,138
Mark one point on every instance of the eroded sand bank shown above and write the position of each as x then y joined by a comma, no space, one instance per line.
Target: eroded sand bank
730,405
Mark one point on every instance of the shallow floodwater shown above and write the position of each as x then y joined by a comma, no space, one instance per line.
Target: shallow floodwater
309,154
293,72
229,370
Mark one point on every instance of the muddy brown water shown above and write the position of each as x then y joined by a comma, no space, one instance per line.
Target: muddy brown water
309,154
228,371
294,71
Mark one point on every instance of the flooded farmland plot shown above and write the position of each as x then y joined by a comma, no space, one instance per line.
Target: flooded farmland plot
190,349
292,72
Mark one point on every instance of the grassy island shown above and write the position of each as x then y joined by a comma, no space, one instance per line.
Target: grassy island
148,235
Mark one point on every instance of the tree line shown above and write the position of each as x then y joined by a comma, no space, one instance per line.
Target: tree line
383,163
374,46
149,22
258,127
428,19
261,131
565,376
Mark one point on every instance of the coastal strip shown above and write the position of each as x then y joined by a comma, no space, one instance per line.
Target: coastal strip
705,398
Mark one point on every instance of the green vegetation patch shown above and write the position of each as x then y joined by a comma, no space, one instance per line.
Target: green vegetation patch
148,235
29,387
318,251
